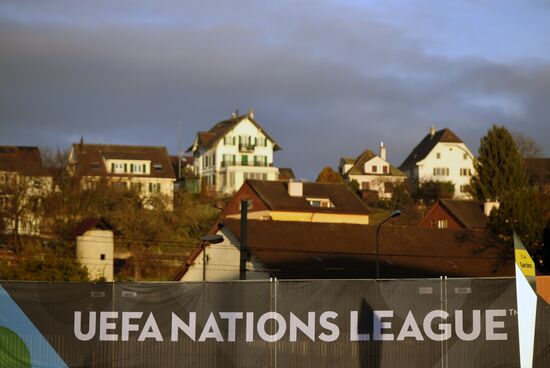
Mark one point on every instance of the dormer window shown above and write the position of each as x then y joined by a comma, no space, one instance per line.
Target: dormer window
157,167
320,202
94,165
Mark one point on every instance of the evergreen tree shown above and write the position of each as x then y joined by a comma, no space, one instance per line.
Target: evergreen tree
499,168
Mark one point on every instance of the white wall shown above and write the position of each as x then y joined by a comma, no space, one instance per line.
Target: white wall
454,156
223,262
90,247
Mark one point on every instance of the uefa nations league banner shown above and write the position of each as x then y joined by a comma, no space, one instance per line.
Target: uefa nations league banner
325,323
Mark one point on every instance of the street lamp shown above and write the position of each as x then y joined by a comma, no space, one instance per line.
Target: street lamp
393,214
210,239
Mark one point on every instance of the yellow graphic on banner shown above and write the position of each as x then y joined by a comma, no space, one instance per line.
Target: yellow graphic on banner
524,262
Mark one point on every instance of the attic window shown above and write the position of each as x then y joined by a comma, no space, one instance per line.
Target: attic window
157,167
320,202
94,165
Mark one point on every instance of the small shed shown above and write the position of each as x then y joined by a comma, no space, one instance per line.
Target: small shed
95,247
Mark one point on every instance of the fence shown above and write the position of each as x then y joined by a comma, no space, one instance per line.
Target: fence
291,323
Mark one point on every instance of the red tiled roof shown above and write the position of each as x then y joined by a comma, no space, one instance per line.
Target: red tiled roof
275,195
320,250
90,159
220,129
304,250
468,212
21,159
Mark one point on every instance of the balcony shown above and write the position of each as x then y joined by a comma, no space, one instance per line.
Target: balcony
246,147
245,163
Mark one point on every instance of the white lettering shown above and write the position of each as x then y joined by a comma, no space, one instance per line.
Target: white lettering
459,325
297,324
105,325
150,330
378,325
211,330
491,324
410,329
127,326
443,327
232,318
354,334
281,326
78,326
188,329
249,326
333,328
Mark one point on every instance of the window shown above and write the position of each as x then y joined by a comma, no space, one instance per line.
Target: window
95,165
441,171
365,185
154,187
102,257
465,172
464,188
438,155
442,224
465,156
249,202
244,160
374,168
157,167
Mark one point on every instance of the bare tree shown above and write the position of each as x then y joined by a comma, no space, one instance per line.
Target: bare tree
527,146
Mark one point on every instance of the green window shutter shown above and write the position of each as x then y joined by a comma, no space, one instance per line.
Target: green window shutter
112,167
150,187
233,140
144,169
131,168
125,168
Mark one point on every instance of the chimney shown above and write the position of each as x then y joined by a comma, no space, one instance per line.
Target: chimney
251,113
295,188
432,130
488,207
382,151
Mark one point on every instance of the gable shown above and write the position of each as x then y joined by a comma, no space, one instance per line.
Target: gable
426,146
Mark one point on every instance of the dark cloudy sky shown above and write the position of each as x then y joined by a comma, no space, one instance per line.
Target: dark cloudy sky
326,78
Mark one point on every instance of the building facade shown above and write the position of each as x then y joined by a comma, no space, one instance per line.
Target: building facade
372,172
146,169
441,156
233,151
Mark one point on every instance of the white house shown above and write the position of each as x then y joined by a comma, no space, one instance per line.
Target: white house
372,172
146,169
441,156
232,151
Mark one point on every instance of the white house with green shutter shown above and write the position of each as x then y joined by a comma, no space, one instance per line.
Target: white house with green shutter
232,151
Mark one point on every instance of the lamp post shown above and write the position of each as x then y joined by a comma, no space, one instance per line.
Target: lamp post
393,214
210,239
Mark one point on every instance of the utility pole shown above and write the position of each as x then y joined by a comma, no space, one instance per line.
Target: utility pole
244,239
179,152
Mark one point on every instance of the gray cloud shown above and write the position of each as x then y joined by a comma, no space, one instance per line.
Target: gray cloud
326,80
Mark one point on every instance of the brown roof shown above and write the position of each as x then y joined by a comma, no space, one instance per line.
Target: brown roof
275,196
538,170
426,146
358,167
91,223
321,250
286,173
218,131
21,159
469,213
90,159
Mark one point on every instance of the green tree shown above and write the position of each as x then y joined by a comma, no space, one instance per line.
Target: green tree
523,211
328,175
499,168
353,185
430,191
